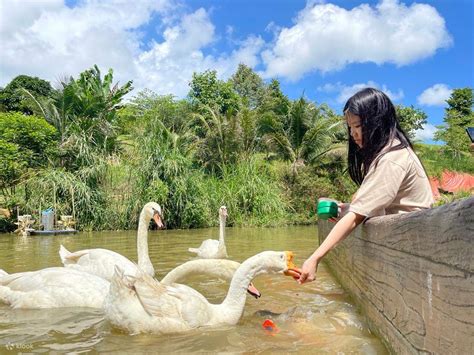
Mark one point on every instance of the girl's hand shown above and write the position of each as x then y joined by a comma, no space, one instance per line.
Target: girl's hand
308,271
341,211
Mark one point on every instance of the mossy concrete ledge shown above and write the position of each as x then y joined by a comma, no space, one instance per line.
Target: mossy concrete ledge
412,276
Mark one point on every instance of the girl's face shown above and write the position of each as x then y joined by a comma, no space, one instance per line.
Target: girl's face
355,128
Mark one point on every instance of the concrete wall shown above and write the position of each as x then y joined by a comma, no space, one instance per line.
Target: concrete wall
413,277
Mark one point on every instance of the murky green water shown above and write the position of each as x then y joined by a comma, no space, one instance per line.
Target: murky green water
316,317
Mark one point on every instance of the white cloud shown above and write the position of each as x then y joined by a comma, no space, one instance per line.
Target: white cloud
18,14
435,95
50,40
168,66
46,38
426,133
326,37
344,92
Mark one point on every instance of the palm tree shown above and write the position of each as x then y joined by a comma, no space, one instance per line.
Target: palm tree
84,113
304,136
219,138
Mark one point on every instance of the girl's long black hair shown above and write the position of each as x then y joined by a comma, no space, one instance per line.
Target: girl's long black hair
379,127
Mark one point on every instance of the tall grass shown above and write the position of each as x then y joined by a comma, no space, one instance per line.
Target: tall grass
67,193
436,159
252,193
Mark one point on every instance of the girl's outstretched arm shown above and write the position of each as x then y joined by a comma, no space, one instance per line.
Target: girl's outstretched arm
338,233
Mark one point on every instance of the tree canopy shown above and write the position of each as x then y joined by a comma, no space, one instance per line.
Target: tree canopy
458,116
411,119
14,98
209,91
249,86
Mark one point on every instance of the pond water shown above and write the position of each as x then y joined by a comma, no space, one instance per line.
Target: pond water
317,317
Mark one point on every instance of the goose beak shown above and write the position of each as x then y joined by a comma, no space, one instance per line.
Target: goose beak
292,270
157,219
252,290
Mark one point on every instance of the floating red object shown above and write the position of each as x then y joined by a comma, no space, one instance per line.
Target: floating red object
270,327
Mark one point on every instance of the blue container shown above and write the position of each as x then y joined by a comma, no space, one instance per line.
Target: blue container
47,219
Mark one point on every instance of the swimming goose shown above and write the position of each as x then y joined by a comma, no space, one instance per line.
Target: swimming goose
211,248
58,287
101,262
142,304
53,287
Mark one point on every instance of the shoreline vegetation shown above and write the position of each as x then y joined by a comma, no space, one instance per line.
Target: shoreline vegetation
94,149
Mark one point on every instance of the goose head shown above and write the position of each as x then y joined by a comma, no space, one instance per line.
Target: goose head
262,263
275,262
152,210
269,262
278,261
223,213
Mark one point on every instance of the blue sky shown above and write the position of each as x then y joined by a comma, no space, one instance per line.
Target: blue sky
417,52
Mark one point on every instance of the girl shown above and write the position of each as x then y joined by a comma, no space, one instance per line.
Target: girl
382,162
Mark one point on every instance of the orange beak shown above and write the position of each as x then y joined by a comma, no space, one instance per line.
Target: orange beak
292,269
253,291
157,219
294,273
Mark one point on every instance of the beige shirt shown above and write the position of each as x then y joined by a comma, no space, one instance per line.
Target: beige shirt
398,184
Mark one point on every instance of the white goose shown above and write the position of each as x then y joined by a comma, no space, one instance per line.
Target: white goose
53,287
58,287
142,304
211,248
220,268
101,262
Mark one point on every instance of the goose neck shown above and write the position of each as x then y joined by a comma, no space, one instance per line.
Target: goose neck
142,243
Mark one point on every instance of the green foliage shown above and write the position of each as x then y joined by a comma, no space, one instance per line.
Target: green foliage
165,169
248,132
35,139
12,164
13,97
65,191
435,159
84,113
448,198
91,102
274,100
306,135
93,97
327,179
146,106
163,166
252,191
208,91
219,142
249,86
105,160
411,119
458,117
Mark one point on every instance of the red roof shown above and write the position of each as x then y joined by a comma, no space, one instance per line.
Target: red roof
451,181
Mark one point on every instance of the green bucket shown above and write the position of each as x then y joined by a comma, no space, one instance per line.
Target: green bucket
327,209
